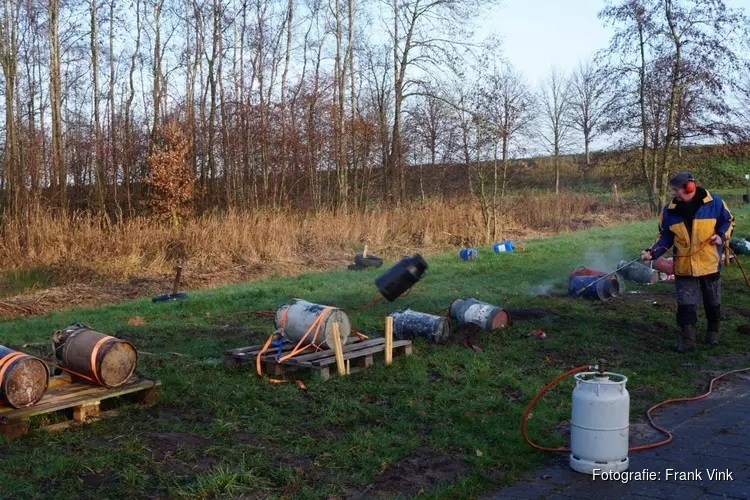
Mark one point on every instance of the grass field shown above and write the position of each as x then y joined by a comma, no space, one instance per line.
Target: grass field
444,420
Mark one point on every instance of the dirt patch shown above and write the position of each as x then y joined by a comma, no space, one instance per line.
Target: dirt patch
171,449
199,466
421,471
181,413
524,314
514,395
127,336
86,288
743,329
330,432
737,311
165,444
300,463
96,480
467,335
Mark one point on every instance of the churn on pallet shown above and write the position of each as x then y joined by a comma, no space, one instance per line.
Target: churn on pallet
106,360
298,318
23,378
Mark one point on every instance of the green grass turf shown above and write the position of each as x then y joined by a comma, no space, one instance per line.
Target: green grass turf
220,431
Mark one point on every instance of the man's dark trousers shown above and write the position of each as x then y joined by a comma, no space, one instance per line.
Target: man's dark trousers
690,290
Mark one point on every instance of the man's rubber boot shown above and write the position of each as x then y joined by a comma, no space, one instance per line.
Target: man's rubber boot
712,333
687,335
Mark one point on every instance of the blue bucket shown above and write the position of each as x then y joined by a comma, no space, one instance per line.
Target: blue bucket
468,253
504,246
604,289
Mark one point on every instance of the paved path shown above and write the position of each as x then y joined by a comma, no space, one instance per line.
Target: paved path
713,433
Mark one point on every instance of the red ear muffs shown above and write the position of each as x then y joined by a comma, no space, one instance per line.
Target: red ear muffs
690,187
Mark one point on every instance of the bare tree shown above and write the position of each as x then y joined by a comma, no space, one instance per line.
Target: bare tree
424,33
101,179
587,104
59,167
9,52
555,125
509,103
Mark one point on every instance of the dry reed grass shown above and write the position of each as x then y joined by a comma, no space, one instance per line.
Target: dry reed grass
231,247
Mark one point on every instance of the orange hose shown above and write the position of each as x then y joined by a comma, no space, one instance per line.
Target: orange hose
703,245
648,413
536,398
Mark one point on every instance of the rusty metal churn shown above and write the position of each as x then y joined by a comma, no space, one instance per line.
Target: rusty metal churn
106,360
23,379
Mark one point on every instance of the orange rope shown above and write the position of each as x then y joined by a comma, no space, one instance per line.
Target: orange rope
71,372
703,245
362,337
377,298
297,349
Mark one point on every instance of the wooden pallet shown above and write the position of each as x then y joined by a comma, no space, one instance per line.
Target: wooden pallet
358,354
84,398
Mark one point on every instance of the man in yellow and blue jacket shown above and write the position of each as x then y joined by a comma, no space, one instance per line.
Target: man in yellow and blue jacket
694,226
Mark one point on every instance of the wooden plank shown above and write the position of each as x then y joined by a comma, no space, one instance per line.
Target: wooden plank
57,395
357,354
69,423
80,398
338,349
388,340
59,380
255,349
150,396
81,413
12,430
347,349
362,362
403,350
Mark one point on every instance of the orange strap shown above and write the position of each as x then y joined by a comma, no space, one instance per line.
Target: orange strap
282,320
297,349
7,361
94,352
375,299
70,371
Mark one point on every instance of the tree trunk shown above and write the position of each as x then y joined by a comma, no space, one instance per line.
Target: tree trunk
58,163
130,145
644,121
99,139
674,99
111,98
352,98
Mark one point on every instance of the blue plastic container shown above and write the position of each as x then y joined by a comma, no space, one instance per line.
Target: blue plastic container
503,246
468,254
604,289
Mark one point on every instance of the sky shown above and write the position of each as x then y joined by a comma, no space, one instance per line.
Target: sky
537,34
540,33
